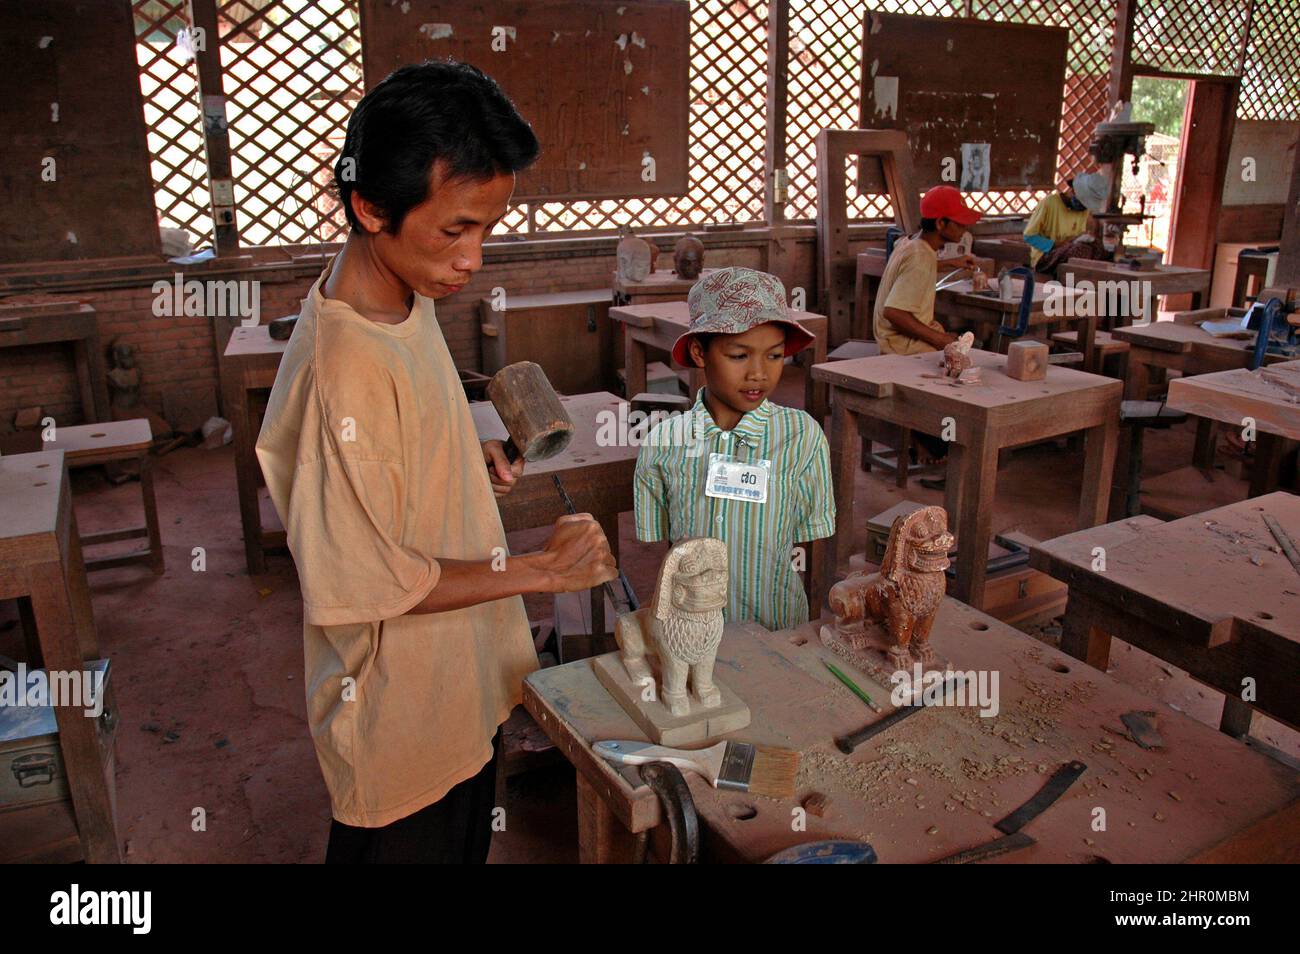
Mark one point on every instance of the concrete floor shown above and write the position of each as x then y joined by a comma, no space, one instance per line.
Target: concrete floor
208,665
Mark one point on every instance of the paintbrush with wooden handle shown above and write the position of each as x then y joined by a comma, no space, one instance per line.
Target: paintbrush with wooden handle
738,766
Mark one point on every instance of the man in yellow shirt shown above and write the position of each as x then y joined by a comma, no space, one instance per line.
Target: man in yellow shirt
414,633
903,316
1061,227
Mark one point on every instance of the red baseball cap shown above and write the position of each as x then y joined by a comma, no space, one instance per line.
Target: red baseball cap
946,202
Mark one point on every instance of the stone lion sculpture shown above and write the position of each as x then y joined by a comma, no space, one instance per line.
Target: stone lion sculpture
956,355
682,626
905,595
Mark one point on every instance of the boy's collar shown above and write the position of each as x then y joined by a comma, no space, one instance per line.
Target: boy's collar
750,429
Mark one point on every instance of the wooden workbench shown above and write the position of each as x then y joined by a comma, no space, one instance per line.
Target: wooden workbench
1180,346
63,322
657,287
999,412
1262,395
598,479
41,567
1163,279
987,312
248,366
936,783
1191,592
658,326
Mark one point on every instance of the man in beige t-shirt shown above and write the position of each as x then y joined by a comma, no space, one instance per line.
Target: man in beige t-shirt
415,637
903,318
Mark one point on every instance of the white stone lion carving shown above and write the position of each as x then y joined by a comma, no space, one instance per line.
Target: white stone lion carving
682,626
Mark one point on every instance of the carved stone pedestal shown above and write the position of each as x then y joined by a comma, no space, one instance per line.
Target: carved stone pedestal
662,727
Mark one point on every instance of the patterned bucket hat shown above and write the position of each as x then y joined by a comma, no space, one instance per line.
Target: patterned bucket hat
733,300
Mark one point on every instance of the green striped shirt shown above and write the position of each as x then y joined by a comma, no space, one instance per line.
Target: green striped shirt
671,472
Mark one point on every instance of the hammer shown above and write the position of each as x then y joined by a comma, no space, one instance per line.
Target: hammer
539,429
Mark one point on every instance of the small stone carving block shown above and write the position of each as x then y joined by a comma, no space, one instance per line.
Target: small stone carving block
1027,360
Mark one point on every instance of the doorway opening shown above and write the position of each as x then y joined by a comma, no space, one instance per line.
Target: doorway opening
1152,188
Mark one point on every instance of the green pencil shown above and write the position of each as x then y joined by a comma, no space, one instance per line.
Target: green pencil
853,686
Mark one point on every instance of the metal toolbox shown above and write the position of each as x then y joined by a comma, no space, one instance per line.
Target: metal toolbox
31,761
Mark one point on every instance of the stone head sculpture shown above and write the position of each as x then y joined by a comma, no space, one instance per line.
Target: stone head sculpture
634,259
688,257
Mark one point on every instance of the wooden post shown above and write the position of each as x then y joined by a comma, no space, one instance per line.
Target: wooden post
778,59
1211,116
216,135
1288,259
1121,64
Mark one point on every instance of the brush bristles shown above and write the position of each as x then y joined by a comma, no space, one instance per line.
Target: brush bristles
774,772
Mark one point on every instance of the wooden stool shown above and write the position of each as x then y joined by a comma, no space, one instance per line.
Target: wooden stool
1106,350
90,444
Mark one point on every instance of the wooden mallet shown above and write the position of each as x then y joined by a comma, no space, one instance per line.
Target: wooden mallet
539,428
538,425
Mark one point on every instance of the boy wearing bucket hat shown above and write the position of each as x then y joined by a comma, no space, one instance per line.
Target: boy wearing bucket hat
737,467
1061,227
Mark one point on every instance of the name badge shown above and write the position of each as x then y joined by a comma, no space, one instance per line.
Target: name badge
736,479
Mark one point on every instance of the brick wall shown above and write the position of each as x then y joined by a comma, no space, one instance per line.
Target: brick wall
177,353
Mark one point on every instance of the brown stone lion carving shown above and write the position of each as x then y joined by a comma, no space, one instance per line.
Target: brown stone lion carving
682,626
905,594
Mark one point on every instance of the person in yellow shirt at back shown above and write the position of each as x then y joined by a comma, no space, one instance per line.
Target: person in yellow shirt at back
1062,227
903,318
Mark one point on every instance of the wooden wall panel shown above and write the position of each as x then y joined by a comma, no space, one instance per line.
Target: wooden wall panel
76,57
962,81
603,82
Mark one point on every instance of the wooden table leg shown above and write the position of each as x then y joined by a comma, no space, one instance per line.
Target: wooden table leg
815,392
151,512
1080,638
975,519
1087,344
1207,439
602,838
85,382
634,362
1269,449
60,603
1098,468
1138,380
1237,717
845,447
246,470
952,483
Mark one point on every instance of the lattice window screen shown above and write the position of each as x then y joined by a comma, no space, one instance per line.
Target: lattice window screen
1270,82
1192,36
728,104
292,73
825,69
169,90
